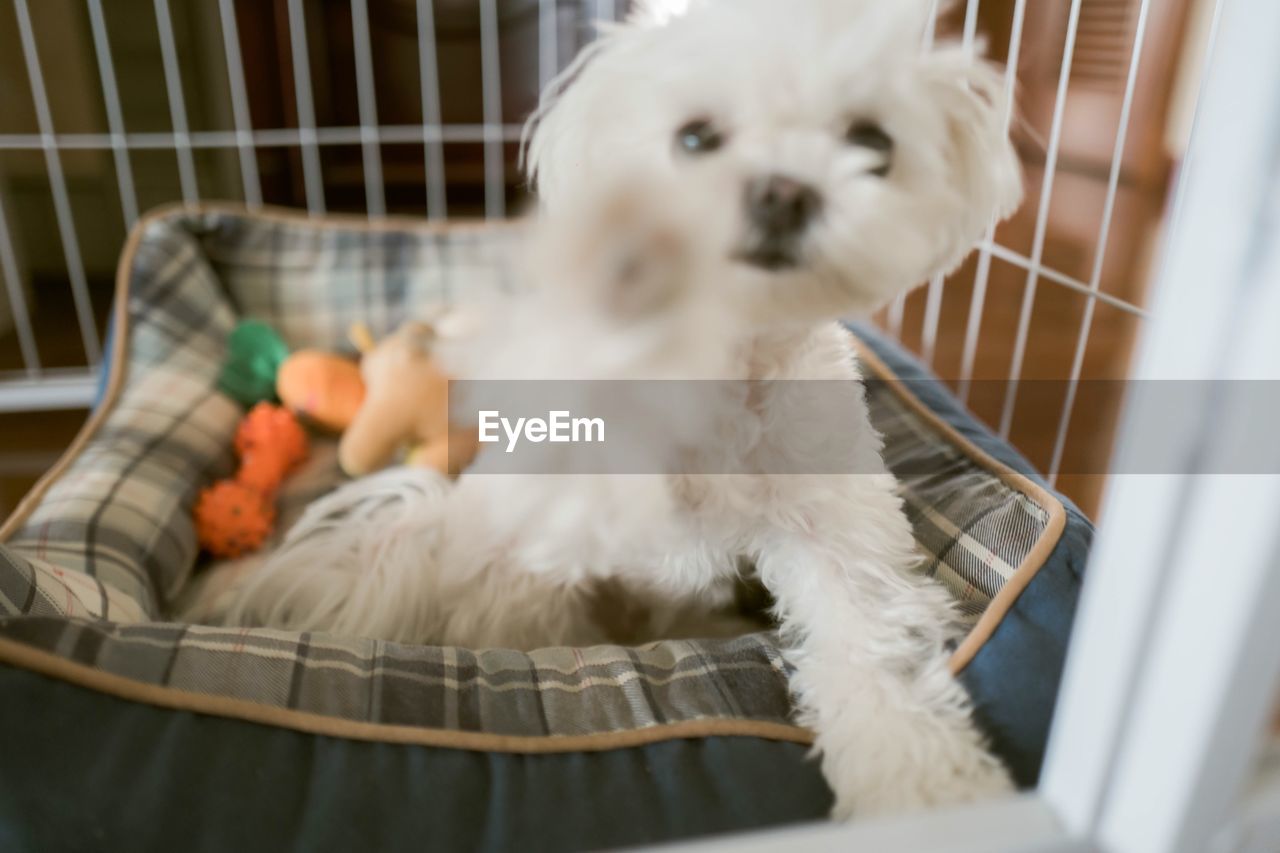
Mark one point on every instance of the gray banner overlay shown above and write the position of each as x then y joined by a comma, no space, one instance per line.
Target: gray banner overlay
788,427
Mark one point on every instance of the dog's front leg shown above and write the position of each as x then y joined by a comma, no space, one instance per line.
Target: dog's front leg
867,635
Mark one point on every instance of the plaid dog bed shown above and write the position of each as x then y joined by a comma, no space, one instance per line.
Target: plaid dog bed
94,559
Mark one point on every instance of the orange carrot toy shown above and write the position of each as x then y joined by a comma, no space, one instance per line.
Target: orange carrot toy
234,516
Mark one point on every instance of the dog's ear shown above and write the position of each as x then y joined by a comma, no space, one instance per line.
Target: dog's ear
557,145
554,142
969,92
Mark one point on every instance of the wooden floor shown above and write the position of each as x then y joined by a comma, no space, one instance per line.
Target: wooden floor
31,443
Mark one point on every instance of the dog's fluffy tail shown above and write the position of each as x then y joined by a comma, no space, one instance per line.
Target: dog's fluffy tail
360,562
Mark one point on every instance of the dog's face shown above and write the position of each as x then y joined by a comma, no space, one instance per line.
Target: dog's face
852,165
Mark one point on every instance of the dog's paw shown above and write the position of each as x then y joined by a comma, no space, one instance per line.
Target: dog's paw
932,779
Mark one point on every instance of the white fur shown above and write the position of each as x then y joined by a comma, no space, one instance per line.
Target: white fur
512,560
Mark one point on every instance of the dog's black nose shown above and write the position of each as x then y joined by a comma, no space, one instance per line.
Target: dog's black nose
781,206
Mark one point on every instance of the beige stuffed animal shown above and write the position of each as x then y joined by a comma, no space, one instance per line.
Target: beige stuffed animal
406,404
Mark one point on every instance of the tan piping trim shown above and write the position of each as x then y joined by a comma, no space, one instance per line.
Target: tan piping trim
1013,587
27,657
54,666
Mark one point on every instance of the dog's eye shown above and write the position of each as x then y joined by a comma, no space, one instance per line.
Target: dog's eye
699,137
869,135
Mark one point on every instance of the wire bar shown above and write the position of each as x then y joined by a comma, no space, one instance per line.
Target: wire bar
932,316
262,138
982,274
1042,221
370,140
61,389
933,296
548,42
495,180
898,307
312,173
177,105
240,106
1100,247
115,116
58,185
429,83
931,27
1055,277
17,299
970,25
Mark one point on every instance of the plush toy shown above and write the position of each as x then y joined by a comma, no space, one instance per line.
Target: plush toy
406,403
322,388
254,355
395,399
234,516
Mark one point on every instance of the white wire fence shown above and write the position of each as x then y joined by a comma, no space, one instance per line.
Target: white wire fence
36,384
1033,263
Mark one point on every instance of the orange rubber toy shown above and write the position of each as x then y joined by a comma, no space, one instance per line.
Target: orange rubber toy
234,517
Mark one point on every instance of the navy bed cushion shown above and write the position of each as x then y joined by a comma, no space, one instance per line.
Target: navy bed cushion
94,773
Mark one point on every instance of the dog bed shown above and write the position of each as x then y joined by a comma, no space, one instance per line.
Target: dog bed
123,730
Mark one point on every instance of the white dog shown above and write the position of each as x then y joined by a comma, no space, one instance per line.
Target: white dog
799,161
